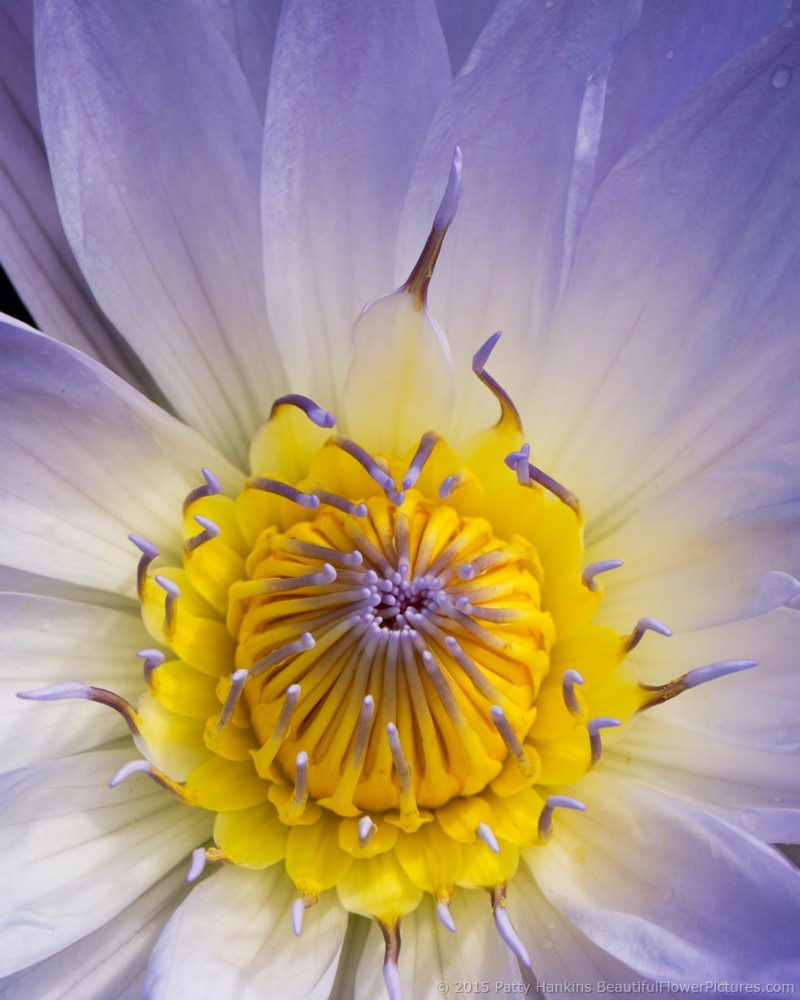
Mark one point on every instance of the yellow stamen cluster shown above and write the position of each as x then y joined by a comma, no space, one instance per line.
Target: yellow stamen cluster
368,683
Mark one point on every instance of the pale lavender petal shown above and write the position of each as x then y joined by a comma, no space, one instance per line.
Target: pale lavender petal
674,48
752,789
721,546
253,952
154,141
353,89
526,111
675,347
86,461
671,891
33,247
560,954
462,23
85,853
109,962
249,27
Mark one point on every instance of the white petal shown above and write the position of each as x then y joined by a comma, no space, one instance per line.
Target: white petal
109,962
47,641
154,142
674,48
233,938
78,852
35,251
675,346
516,110
86,460
670,891
757,791
17,581
560,954
430,954
353,89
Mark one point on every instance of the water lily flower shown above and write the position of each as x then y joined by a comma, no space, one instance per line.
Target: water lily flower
434,622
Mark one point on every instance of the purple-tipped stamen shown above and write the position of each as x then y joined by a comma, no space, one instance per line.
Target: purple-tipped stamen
77,689
238,680
401,764
57,692
212,487
568,682
391,975
594,569
149,553
299,798
485,833
283,490
147,549
290,701
694,678
322,418
146,768
642,626
595,743
423,453
420,277
509,935
280,585
321,552
173,592
508,412
713,671
298,908
518,461
536,475
363,727
339,503
301,645
509,737
478,678
552,803
450,485
196,866
505,928
444,915
366,831
366,461
408,800
210,530
132,767
153,659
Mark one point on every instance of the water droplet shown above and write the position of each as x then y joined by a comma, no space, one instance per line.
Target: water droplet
781,77
669,54
789,22
549,3
777,798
